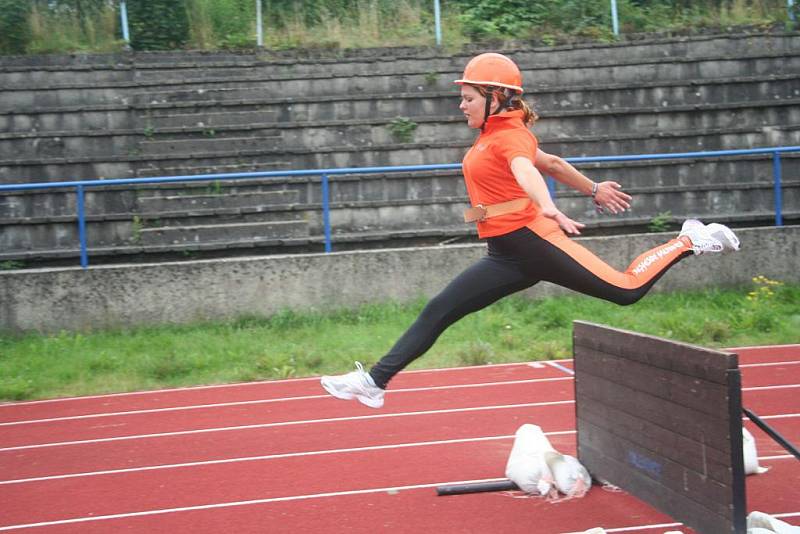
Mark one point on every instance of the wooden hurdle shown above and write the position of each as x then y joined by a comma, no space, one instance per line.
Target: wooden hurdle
663,421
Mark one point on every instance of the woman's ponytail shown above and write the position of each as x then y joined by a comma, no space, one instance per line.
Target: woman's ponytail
517,102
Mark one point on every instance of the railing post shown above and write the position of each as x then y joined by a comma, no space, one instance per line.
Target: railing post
82,227
326,212
551,186
437,16
614,17
123,15
259,25
776,183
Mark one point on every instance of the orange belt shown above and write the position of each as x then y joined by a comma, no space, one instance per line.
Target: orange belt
481,212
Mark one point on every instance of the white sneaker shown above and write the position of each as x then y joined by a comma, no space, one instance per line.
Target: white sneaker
724,235
701,238
356,384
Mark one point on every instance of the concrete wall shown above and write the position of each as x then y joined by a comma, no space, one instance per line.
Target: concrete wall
128,295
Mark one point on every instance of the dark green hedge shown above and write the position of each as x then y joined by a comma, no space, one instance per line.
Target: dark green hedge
158,24
15,33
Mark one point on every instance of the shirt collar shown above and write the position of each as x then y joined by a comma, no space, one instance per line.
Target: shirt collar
505,119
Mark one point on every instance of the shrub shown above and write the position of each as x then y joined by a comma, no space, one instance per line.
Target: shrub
15,32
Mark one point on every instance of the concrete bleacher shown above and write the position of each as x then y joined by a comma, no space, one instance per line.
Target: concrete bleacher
156,114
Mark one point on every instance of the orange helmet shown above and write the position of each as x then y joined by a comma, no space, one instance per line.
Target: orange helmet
492,69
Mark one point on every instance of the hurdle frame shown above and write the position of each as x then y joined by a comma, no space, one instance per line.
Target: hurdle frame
662,420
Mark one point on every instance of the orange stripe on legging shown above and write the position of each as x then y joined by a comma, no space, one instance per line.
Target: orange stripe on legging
641,271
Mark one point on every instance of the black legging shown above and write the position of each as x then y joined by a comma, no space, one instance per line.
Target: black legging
515,261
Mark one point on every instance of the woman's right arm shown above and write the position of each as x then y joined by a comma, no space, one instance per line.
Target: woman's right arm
531,181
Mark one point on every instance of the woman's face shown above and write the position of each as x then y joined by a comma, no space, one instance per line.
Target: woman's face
473,105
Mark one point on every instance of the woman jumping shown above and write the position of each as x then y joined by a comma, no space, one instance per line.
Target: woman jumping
525,232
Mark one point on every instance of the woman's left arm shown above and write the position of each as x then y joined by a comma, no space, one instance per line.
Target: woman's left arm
607,194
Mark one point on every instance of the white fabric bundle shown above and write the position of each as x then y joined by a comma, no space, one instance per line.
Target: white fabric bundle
526,466
751,466
537,468
571,478
761,523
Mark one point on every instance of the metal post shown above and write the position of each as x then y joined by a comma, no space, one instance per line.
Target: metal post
771,432
259,25
776,183
82,227
790,7
326,212
123,15
614,17
437,15
551,186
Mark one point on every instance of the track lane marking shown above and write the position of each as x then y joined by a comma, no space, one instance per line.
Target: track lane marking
290,423
277,457
241,503
189,389
335,419
299,498
302,454
563,369
325,396
266,401
667,525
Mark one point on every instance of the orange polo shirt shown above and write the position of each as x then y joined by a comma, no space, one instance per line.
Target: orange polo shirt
487,171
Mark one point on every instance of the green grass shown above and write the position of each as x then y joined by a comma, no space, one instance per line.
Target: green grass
292,344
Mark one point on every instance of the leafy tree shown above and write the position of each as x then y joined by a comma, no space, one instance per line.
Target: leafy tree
506,17
527,18
158,24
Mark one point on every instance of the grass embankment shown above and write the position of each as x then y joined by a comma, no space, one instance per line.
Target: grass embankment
63,26
291,344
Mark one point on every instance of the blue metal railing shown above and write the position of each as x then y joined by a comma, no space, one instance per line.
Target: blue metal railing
324,174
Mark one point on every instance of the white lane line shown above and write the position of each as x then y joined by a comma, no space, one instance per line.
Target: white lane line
161,410
238,385
667,525
632,529
301,454
779,457
775,348
335,419
265,457
277,457
265,401
392,489
777,416
764,388
561,368
325,396
770,364
287,423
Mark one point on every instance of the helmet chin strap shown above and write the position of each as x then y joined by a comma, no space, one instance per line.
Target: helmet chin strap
490,97
488,107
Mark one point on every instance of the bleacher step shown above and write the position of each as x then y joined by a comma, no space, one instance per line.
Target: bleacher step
212,143
217,200
222,232
181,117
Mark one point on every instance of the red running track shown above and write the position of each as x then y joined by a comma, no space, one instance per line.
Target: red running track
281,456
